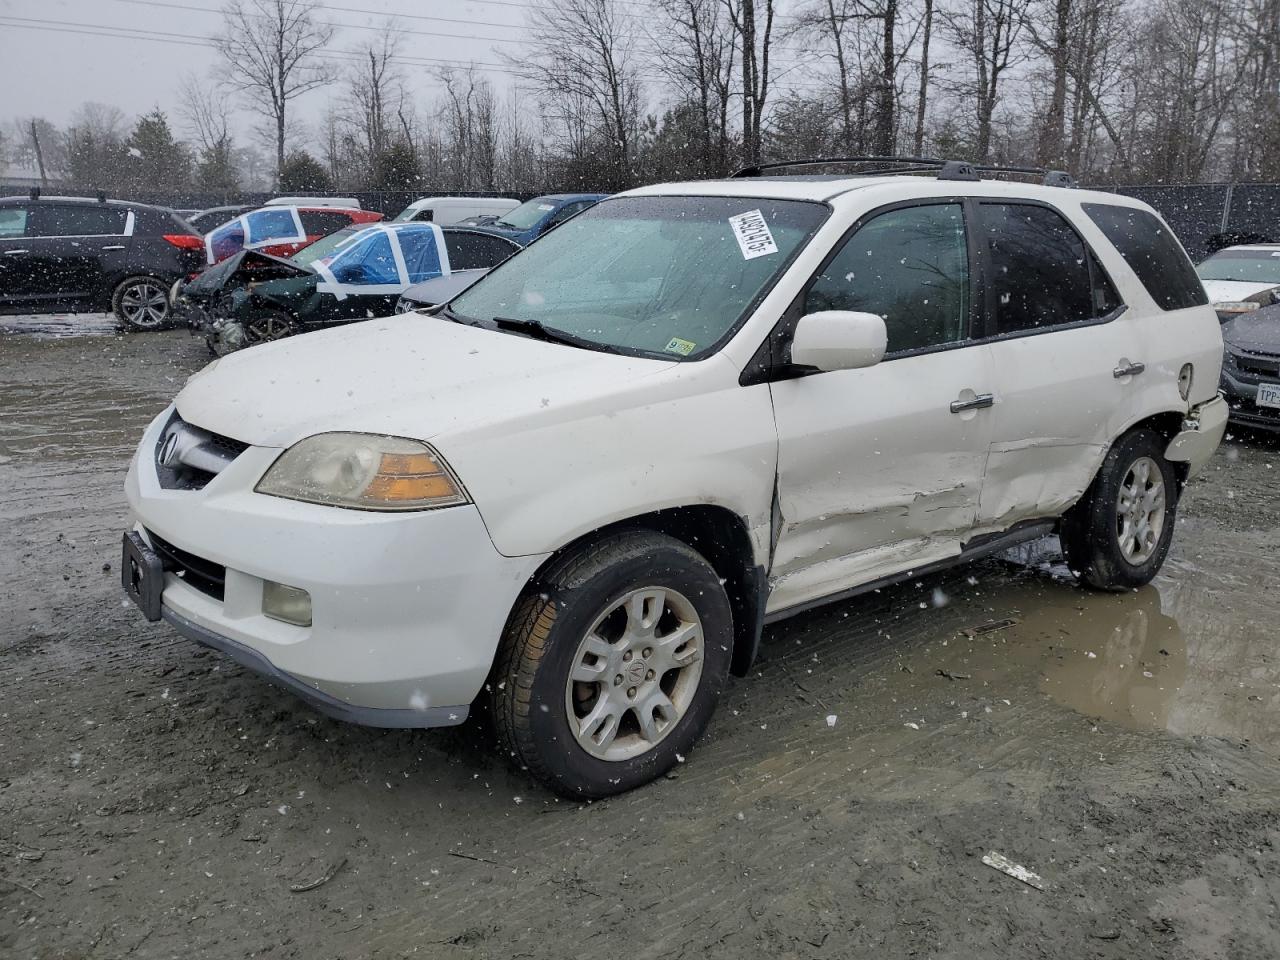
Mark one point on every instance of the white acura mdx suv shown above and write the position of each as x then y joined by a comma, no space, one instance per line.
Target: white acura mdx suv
581,488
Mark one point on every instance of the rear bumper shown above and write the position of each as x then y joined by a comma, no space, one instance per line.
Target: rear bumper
1202,431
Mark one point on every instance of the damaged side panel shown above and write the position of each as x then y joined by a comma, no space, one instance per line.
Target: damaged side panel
876,474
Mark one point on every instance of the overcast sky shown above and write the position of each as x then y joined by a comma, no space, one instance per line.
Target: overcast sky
56,54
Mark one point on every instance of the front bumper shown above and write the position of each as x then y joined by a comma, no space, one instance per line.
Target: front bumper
407,608
1242,398
1202,431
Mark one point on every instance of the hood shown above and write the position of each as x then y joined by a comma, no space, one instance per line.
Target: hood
1228,291
507,232
239,269
1255,332
442,289
406,376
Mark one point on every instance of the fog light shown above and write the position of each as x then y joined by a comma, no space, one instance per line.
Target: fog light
289,604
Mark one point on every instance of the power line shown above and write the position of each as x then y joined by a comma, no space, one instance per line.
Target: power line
342,56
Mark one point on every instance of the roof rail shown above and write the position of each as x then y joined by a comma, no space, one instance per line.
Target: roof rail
947,169
760,168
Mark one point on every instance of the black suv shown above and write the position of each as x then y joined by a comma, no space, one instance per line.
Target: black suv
59,253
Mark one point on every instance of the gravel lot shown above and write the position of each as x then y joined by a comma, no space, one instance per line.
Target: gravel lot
158,801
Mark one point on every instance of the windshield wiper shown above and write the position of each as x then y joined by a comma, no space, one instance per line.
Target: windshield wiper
539,331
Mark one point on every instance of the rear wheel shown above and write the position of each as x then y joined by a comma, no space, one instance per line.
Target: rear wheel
141,303
1117,536
611,670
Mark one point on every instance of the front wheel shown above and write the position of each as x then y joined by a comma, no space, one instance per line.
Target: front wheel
141,303
1117,536
611,668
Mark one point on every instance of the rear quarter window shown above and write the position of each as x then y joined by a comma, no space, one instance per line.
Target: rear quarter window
322,222
1152,252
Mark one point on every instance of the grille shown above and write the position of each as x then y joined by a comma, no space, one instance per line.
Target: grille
1258,367
205,575
188,457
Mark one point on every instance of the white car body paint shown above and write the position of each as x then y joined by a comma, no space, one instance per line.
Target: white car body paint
873,473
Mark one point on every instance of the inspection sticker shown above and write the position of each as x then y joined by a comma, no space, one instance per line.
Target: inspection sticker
752,234
682,347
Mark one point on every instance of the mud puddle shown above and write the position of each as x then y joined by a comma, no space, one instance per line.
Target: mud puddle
1128,658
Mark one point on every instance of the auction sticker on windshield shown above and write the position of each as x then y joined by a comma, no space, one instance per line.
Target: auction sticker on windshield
1269,395
752,234
682,347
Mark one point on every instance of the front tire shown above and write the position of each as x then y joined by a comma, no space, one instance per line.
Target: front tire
611,666
1118,535
141,303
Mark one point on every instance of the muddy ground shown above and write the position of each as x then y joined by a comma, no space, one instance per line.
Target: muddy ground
158,801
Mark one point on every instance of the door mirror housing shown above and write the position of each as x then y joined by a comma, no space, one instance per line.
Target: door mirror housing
839,340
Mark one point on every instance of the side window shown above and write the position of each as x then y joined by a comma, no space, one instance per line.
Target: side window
910,266
473,251
425,215
1041,273
564,213
322,222
1152,252
13,221
66,220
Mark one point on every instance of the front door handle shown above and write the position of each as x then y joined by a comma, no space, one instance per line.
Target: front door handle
1127,369
977,403
114,247
14,253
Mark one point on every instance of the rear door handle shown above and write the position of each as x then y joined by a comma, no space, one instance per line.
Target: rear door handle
14,253
977,403
114,247
1127,369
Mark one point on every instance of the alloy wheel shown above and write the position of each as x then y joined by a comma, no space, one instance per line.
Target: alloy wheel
144,304
635,673
1140,510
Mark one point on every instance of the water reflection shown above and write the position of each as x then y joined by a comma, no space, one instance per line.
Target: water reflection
46,326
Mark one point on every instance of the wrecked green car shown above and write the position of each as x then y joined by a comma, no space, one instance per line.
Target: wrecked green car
354,274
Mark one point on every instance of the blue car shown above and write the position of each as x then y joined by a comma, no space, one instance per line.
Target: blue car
535,217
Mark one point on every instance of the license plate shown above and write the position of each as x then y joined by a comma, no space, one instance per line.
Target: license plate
1269,395
141,575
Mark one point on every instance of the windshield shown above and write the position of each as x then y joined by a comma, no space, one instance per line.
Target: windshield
528,213
668,276
326,246
1252,266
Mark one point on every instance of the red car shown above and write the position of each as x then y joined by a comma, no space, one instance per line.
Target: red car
280,231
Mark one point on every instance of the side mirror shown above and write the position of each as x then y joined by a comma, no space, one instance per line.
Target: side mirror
839,340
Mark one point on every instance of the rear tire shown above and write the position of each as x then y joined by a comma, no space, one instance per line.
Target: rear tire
141,303
1117,536
611,665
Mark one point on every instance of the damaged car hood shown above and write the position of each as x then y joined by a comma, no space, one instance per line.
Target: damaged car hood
239,269
407,376
1256,332
1228,291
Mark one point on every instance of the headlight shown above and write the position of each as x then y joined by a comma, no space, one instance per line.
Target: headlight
404,306
1236,306
364,472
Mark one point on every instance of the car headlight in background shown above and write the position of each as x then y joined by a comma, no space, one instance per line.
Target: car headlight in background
1257,301
404,306
364,472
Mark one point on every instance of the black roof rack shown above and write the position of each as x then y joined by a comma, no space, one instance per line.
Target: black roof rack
947,169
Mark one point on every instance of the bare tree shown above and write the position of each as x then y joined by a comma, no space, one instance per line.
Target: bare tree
922,98
270,47
753,23
375,90
205,115
470,120
695,50
584,65
989,33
